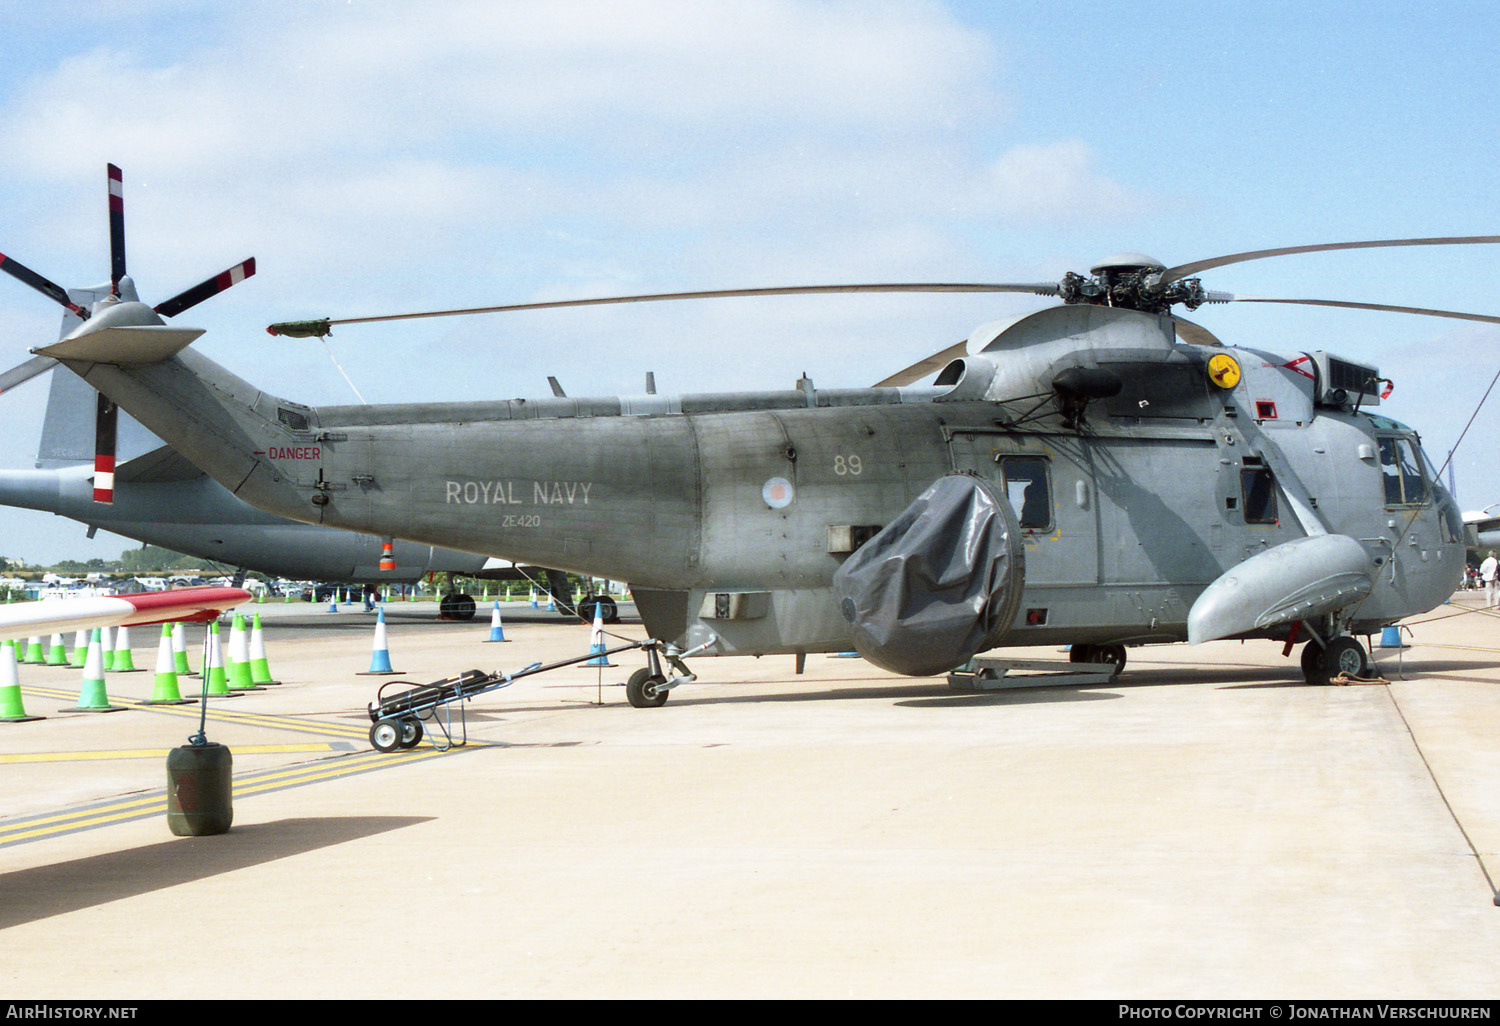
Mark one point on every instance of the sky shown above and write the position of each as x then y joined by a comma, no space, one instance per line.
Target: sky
388,157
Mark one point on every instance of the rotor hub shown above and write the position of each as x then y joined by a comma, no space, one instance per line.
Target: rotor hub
1131,281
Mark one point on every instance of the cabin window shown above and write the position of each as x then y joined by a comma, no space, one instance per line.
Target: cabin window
1258,489
1401,473
1025,481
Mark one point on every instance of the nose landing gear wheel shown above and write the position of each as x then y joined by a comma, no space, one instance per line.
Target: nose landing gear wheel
643,690
1343,655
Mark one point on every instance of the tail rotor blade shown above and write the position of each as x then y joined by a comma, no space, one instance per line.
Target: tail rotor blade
25,372
204,289
116,228
50,289
105,426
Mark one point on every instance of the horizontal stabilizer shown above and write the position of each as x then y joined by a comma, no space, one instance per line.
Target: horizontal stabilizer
134,344
163,463
1304,578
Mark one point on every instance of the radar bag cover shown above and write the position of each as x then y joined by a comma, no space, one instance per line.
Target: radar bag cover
939,583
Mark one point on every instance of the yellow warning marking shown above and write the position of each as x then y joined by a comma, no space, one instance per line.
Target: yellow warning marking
155,803
161,753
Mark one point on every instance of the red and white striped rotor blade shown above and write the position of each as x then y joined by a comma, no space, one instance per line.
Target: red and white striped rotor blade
204,289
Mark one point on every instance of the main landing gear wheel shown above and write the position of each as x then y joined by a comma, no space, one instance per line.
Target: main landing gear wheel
456,606
643,690
1343,655
1114,655
608,611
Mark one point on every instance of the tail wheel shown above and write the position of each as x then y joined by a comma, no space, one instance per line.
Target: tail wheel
643,690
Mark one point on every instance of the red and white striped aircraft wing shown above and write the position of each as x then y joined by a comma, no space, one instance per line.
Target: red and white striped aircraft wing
55,616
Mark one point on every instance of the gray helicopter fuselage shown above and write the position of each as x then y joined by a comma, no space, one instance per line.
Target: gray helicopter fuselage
729,514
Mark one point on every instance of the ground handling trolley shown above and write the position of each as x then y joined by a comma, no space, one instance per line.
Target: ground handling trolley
397,717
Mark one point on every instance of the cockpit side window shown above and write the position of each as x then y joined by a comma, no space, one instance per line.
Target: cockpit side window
1025,480
1401,473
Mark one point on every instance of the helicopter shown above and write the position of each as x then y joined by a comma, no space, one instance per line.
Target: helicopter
1100,474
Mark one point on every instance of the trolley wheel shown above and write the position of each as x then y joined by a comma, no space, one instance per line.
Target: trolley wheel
411,733
385,735
1082,653
643,689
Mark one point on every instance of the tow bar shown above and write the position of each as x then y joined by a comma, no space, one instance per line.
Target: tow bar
397,718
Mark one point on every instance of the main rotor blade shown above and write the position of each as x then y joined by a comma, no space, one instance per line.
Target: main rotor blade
919,370
204,289
25,372
116,227
50,289
1185,270
306,329
1224,297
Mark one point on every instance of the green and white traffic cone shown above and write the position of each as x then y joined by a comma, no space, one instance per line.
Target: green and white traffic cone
11,709
124,660
260,669
216,682
91,695
33,653
179,651
57,655
237,673
80,650
166,691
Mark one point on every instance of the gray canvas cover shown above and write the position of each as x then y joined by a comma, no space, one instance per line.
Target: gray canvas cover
939,583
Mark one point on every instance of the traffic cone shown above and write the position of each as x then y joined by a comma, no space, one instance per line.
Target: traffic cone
106,648
216,683
179,651
92,696
80,650
380,657
596,641
533,598
260,669
33,653
166,691
57,655
124,661
497,633
237,670
11,710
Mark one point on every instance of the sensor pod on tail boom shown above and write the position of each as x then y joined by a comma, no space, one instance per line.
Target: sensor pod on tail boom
1097,474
